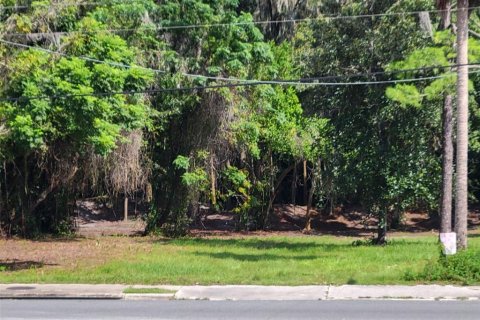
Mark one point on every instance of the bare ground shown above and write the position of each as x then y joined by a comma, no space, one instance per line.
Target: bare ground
94,220
17,254
92,247
289,219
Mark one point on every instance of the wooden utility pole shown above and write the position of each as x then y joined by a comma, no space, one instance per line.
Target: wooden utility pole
447,238
461,199
447,167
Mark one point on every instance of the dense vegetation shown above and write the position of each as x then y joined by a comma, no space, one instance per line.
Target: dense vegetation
120,98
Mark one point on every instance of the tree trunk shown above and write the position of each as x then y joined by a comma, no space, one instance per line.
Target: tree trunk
125,209
305,191
315,176
445,14
149,192
461,203
294,188
447,167
275,191
382,228
308,223
213,182
4,204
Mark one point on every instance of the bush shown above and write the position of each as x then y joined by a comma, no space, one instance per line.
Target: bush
463,267
177,225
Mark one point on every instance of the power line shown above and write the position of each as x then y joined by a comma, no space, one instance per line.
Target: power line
111,63
264,22
179,27
120,65
230,85
390,72
294,82
52,5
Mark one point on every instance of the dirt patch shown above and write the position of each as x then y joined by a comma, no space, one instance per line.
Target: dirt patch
95,219
346,221
16,254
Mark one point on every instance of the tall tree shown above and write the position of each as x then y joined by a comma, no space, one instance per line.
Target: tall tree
372,169
461,200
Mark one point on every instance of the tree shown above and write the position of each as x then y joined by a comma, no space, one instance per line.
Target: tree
384,155
54,141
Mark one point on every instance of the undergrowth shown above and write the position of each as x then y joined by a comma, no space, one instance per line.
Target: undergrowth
463,267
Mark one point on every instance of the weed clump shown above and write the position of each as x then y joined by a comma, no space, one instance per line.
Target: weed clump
464,267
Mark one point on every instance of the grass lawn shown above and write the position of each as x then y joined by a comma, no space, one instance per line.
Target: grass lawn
147,290
293,260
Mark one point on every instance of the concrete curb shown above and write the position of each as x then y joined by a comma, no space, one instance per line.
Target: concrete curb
347,292
218,293
418,292
149,296
63,291
241,292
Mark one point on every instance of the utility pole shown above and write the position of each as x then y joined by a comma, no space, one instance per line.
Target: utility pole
447,237
461,199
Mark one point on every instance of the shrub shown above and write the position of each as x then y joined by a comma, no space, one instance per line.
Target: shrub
176,226
463,267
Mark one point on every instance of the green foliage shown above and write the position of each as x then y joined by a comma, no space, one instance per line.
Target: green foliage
429,94
48,137
238,187
65,228
255,122
463,267
36,123
314,141
236,177
376,146
176,226
182,162
439,53
384,143
405,95
193,176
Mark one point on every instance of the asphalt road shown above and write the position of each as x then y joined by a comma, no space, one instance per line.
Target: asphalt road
121,309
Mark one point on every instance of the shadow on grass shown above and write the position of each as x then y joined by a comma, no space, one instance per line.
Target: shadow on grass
260,244
17,265
49,239
475,235
252,257
267,244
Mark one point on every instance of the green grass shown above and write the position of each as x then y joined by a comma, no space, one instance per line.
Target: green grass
266,261
147,290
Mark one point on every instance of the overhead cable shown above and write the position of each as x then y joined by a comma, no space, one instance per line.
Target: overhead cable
263,22
301,81
230,85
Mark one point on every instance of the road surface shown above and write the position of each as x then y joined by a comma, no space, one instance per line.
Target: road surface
122,309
